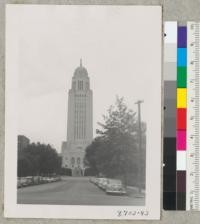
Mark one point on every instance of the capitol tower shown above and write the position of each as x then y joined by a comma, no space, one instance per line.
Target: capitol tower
79,122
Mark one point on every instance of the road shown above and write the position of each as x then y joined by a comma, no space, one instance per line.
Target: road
73,191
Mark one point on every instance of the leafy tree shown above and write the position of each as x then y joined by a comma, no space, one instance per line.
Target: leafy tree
38,159
114,153
24,166
119,120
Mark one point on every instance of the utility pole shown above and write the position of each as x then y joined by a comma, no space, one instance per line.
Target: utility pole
139,146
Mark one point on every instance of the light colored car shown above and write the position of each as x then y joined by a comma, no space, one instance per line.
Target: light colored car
99,179
54,179
24,181
57,178
43,180
29,180
96,181
50,179
47,179
115,186
93,180
19,182
36,180
102,182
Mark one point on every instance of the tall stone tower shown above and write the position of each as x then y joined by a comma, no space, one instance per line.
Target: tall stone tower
79,122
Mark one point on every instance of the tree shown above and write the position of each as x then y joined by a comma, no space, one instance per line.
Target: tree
114,152
38,159
24,166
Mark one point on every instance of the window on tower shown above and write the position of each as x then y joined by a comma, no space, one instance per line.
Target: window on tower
80,85
74,85
87,85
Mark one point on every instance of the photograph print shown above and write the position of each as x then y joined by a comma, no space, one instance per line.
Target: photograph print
83,106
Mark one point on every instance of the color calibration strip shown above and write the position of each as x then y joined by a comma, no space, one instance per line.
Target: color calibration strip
181,172
181,118
175,114
170,89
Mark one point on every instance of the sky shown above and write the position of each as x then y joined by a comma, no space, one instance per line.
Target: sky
116,44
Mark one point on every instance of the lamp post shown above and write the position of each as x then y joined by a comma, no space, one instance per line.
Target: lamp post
139,146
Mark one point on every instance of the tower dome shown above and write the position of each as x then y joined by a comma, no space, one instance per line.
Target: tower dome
80,71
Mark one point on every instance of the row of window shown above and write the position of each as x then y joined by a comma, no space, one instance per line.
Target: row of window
80,121
80,85
74,160
80,95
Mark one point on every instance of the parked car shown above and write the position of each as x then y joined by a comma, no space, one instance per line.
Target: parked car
53,179
29,180
36,180
115,186
93,180
96,181
24,181
57,178
50,179
19,182
102,183
46,179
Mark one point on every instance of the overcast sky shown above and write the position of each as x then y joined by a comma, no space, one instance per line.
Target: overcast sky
116,44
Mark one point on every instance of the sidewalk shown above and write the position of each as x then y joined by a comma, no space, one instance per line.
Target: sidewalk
134,190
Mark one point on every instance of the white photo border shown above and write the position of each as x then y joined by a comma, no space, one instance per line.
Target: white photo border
153,149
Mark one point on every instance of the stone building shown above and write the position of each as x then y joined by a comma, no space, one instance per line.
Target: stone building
23,142
79,122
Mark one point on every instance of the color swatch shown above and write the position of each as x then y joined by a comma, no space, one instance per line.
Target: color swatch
181,118
175,113
170,101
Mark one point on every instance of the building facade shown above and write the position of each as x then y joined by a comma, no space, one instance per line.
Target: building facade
23,142
79,122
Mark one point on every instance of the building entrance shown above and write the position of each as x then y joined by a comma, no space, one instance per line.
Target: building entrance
77,172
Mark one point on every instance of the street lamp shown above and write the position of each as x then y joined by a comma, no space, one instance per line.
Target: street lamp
139,146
